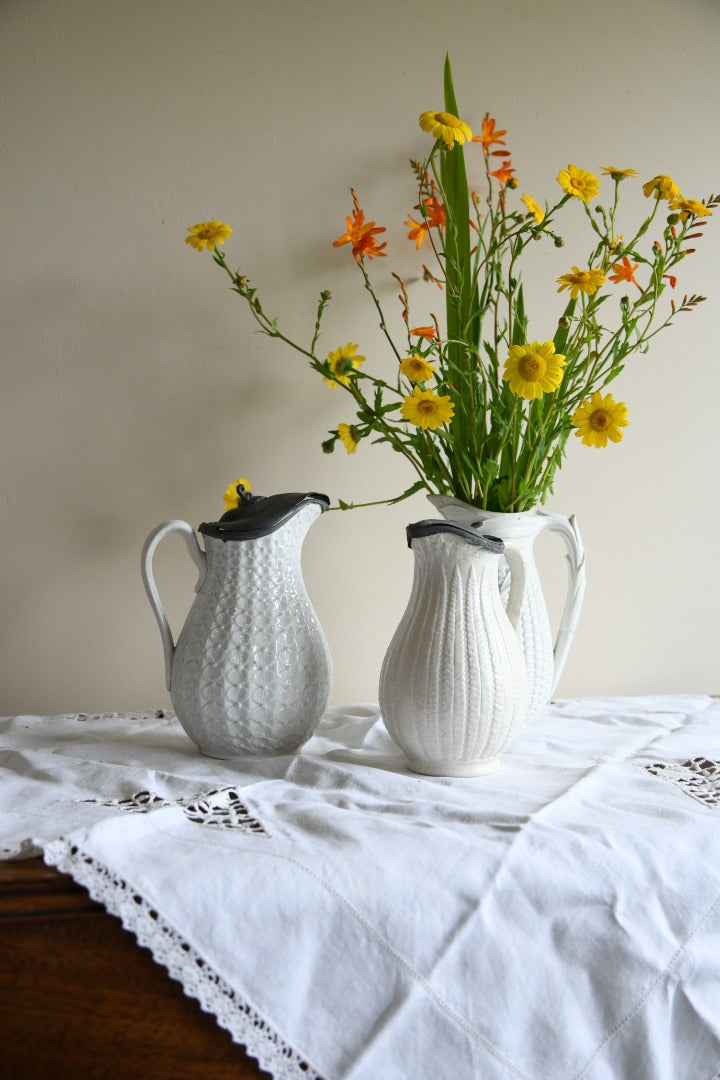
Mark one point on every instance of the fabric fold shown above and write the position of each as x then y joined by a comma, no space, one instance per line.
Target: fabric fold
344,920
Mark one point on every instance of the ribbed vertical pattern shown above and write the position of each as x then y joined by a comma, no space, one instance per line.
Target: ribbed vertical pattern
453,686
519,531
252,671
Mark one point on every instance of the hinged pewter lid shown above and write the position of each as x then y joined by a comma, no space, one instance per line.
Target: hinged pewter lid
259,515
431,526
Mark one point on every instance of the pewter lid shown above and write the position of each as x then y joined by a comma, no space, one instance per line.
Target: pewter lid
259,515
431,526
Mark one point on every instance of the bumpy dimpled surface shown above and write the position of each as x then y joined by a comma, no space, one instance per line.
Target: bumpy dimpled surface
252,671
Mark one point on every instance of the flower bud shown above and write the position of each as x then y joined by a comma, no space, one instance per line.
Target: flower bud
328,446
559,242
564,322
537,236
326,295
673,219
513,182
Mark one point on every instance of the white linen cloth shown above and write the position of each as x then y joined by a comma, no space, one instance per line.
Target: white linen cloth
348,920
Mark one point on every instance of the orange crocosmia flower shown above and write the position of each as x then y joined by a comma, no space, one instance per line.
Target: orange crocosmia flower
434,219
361,236
489,136
418,230
428,332
672,279
503,174
624,271
435,212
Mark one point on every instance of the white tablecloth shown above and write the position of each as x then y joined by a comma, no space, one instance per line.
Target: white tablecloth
346,919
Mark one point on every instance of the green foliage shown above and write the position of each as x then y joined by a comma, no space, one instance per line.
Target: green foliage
498,450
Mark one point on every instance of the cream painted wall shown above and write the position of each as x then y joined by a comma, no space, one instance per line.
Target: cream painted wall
134,385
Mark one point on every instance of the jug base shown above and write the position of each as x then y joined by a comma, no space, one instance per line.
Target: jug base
453,768
249,754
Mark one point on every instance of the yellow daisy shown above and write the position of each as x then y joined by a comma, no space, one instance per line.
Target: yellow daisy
587,281
662,187
427,409
534,208
348,437
533,369
445,126
688,207
618,174
343,363
416,369
207,234
599,419
231,498
579,183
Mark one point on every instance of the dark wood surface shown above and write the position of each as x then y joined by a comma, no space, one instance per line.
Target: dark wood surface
81,1000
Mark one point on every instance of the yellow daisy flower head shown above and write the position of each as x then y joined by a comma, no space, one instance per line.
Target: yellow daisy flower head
579,183
349,437
690,207
343,364
617,174
416,369
533,208
232,497
587,281
533,369
207,234
599,419
662,187
445,126
427,409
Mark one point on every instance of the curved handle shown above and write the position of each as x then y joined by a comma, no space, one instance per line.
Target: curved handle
570,533
516,597
198,557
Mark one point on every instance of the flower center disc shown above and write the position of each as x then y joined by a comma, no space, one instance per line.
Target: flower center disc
426,406
532,366
600,420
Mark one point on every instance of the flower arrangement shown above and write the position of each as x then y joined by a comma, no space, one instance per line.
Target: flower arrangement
480,408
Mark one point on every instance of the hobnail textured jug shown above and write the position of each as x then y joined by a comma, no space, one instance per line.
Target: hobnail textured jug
251,672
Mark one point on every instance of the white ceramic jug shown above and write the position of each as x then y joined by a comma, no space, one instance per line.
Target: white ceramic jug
453,686
251,672
544,657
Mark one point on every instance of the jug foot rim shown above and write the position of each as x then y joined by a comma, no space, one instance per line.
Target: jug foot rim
453,768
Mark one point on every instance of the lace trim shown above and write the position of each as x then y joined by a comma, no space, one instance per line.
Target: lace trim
698,777
156,714
25,849
183,962
221,808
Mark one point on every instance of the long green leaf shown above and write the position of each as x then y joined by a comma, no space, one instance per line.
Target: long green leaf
461,289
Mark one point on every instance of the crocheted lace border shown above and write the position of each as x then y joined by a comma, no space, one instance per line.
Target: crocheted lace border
182,961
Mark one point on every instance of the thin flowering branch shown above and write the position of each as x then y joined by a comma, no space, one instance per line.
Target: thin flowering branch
482,405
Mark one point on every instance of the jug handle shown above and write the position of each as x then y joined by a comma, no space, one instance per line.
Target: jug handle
570,533
198,557
516,562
